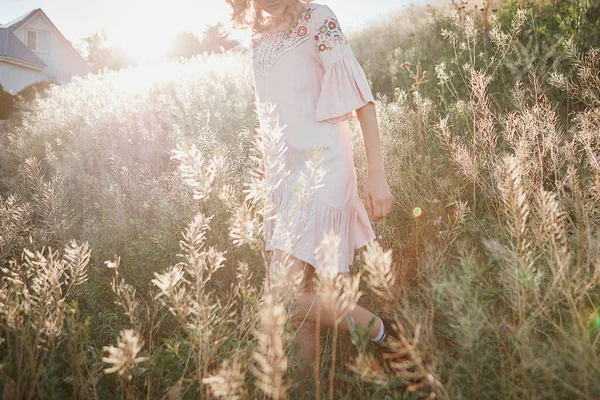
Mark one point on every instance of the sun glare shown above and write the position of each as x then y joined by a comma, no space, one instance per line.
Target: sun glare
144,44
145,29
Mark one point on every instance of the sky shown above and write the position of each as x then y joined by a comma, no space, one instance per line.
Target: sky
144,25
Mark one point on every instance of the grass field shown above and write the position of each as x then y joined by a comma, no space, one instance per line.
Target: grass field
131,223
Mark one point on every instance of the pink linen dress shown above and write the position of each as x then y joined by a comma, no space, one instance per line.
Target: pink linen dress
309,73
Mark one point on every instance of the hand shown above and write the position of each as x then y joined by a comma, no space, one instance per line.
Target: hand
378,197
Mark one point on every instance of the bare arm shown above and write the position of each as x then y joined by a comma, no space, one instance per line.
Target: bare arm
377,194
370,130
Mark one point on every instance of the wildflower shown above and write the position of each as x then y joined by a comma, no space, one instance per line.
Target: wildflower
347,294
228,382
378,265
270,359
243,227
124,357
442,75
168,281
113,264
196,171
328,257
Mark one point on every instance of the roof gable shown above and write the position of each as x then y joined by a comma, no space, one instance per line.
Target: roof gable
18,22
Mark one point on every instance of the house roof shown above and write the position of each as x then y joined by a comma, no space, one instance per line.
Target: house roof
16,23
11,46
23,19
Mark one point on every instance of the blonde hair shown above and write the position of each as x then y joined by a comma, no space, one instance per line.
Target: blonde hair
246,13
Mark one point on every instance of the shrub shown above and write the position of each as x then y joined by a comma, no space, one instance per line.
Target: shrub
38,89
7,104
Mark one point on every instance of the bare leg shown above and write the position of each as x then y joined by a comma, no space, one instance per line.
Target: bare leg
305,335
308,301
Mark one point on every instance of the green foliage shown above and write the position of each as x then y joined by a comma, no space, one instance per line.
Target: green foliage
7,104
100,55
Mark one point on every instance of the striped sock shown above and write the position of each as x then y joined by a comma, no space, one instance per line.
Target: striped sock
382,334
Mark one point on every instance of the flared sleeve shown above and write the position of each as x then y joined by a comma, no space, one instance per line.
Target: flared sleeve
344,87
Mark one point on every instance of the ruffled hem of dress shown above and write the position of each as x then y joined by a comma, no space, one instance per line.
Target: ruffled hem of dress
344,89
352,225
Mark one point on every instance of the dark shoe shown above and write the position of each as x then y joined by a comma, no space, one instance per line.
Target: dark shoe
391,329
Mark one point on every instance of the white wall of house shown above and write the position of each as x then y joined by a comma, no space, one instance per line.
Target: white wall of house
14,78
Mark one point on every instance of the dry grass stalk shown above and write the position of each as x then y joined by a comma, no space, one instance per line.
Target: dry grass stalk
195,170
124,357
337,291
369,370
183,288
380,275
270,362
125,298
228,381
516,203
14,223
49,203
34,294
485,136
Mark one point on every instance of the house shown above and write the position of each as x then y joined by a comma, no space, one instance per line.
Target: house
32,50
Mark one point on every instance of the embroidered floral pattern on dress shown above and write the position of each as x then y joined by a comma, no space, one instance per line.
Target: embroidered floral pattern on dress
270,46
330,35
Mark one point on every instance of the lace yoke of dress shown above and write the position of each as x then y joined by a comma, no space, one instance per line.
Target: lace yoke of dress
270,46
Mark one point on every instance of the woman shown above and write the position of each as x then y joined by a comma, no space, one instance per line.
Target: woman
303,64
